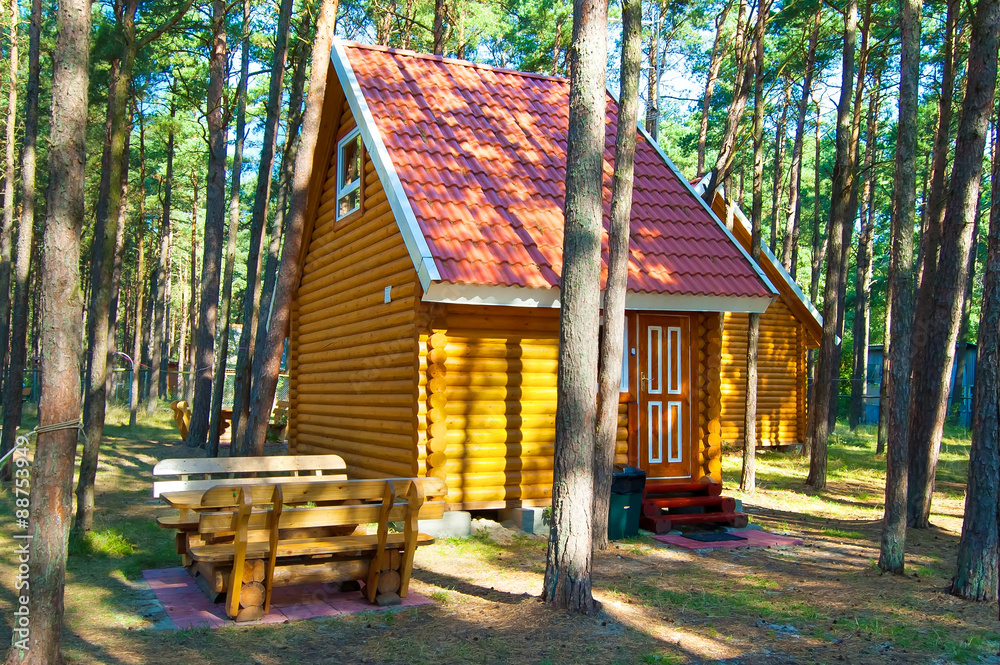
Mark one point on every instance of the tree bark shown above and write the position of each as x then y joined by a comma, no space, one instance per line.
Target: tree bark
613,342
778,175
897,379
976,574
652,121
714,64
569,559
160,344
7,226
191,322
215,220
258,218
12,398
440,30
266,364
748,476
222,354
863,272
61,302
793,221
932,372
961,348
824,386
140,279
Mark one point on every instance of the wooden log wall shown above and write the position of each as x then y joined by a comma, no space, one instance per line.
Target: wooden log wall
353,356
708,377
494,383
781,378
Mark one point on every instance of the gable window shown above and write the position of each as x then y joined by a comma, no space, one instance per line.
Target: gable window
349,174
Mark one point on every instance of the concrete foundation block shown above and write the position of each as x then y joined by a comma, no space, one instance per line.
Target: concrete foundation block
529,520
454,524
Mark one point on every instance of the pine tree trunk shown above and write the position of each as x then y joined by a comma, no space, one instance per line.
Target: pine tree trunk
258,218
140,280
748,476
215,221
191,322
439,31
55,452
863,273
569,560
897,379
824,386
714,64
222,351
961,348
976,574
932,371
160,344
793,221
778,175
266,364
883,393
7,226
613,342
652,120
12,397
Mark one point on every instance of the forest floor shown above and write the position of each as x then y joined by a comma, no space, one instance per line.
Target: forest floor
821,602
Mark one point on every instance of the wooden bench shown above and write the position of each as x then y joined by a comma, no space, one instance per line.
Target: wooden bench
258,536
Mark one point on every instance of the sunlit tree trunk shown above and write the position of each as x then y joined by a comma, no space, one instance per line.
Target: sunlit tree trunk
7,225
714,64
613,341
777,172
160,343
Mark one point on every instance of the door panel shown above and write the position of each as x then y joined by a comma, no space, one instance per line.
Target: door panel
665,449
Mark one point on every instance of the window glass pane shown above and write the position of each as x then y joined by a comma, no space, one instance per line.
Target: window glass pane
350,161
349,202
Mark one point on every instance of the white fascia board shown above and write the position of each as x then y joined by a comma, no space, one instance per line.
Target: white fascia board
708,209
413,237
766,251
519,296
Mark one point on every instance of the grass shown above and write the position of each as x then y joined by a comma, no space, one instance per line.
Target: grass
815,603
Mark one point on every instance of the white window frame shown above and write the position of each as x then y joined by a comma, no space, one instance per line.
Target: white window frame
343,191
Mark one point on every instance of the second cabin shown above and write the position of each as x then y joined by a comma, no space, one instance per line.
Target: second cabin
425,331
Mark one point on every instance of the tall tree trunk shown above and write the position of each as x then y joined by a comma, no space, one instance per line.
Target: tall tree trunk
258,218
215,220
266,364
613,342
140,279
569,559
976,574
818,243
824,386
748,476
160,344
932,371
652,121
12,397
61,303
7,226
897,379
793,221
439,29
778,175
883,392
714,64
863,273
935,197
192,306
961,348
222,355
102,275
741,92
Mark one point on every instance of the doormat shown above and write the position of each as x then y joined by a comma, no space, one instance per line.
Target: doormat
713,536
747,538
187,606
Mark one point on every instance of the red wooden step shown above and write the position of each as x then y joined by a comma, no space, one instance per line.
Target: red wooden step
664,523
654,488
651,505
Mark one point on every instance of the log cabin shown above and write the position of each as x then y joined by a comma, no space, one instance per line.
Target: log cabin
424,334
789,328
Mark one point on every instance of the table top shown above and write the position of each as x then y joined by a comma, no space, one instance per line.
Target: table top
186,500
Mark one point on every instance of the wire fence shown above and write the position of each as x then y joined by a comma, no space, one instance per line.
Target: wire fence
178,386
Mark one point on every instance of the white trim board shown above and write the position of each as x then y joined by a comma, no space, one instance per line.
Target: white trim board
519,296
413,236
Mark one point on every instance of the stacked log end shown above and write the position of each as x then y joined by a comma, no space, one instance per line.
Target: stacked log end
437,401
252,594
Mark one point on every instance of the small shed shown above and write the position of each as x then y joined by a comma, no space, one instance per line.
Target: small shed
789,328
424,333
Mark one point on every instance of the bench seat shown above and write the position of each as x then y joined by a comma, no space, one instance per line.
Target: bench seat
224,552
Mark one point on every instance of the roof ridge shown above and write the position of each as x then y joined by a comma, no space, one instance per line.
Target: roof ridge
451,61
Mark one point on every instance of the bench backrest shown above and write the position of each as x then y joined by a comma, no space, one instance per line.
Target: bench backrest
294,468
368,504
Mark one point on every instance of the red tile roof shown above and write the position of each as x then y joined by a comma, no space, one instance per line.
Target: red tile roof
480,153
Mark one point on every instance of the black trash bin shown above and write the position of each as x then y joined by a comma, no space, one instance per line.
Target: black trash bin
626,503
